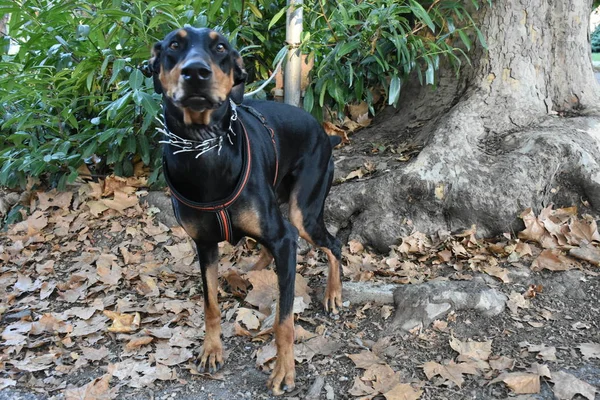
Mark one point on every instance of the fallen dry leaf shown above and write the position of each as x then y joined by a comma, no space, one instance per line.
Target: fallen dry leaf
553,260
516,301
98,389
589,350
471,350
403,391
123,323
566,386
500,363
520,382
249,317
451,372
138,342
365,359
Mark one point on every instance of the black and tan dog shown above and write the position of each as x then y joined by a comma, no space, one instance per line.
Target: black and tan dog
229,165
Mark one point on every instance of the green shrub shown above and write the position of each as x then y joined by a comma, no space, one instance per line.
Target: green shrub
595,40
70,87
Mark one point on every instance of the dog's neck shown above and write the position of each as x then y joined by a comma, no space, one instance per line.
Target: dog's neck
218,125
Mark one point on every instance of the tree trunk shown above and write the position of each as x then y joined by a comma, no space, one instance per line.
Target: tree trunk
517,129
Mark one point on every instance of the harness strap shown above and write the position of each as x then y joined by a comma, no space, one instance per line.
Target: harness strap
271,132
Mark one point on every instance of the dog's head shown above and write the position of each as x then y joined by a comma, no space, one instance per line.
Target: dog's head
196,70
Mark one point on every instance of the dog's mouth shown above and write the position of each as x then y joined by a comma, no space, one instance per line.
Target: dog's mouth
198,102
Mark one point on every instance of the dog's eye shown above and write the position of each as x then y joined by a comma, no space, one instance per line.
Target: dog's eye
220,48
174,45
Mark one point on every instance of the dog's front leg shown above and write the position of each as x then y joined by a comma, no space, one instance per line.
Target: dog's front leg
211,358
284,252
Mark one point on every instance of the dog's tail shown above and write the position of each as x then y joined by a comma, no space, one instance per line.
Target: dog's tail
335,140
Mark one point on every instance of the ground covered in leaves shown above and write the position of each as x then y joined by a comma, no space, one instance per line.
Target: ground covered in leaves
99,300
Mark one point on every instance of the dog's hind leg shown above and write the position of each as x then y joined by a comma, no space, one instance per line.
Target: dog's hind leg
211,357
306,213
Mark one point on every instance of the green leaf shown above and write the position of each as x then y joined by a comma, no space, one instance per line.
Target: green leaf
347,48
276,17
465,39
421,14
309,99
394,92
136,78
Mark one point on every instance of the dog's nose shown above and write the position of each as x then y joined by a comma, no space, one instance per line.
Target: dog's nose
195,69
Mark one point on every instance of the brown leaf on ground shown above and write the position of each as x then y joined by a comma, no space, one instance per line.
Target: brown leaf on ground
553,260
535,230
138,342
355,247
54,199
249,317
301,334
167,355
498,272
516,301
123,323
93,354
334,130
5,382
238,285
523,249
357,173
319,345
121,201
403,391
545,353
500,363
583,232
520,382
566,386
98,389
359,388
586,252
451,372
266,354
265,289
365,359
34,363
471,350
589,350
382,377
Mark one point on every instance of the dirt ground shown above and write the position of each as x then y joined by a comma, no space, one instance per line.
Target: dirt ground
76,258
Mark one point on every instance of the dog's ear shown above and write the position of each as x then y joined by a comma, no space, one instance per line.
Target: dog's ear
154,67
239,78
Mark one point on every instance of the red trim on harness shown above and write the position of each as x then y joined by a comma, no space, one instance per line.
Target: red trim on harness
218,205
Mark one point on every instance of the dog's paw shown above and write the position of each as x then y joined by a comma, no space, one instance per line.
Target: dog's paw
333,298
282,378
211,359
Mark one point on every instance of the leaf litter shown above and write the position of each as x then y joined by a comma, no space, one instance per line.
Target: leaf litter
90,274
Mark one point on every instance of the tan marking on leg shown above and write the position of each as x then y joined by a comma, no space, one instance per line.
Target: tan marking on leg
284,372
213,35
263,261
333,293
248,221
297,219
212,350
182,33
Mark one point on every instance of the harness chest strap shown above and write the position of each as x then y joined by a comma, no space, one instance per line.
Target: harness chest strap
271,132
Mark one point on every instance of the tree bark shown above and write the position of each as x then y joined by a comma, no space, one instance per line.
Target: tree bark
517,129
